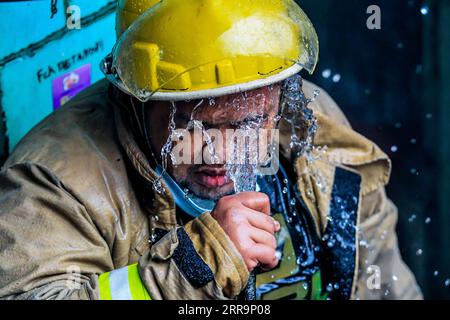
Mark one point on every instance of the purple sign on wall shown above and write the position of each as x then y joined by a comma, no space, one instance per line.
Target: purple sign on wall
68,85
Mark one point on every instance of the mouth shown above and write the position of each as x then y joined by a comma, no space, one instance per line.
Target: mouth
212,177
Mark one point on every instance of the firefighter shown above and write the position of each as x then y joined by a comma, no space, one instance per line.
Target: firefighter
93,207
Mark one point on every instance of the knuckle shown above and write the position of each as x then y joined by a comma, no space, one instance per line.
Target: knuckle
265,197
274,260
222,202
274,264
273,242
234,216
251,264
244,253
273,254
240,230
270,224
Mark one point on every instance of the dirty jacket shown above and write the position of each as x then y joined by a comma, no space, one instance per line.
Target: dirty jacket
75,199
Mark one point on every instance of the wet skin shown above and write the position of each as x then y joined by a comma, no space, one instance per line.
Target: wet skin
244,217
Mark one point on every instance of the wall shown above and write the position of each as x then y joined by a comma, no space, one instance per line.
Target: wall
37,53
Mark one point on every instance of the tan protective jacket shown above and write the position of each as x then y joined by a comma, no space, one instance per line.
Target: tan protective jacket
68,203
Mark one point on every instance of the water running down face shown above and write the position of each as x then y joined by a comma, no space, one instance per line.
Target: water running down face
258,108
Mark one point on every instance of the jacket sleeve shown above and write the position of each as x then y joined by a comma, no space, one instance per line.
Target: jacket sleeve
382,272
196,262
50,248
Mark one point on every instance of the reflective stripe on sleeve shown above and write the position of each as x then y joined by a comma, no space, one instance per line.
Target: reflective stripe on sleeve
122,284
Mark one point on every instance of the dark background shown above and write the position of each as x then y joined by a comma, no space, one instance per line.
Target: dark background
395,89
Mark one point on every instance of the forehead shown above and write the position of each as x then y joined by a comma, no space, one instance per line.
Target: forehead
233,107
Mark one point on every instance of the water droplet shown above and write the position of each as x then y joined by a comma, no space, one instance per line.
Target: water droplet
326,73
413,141
285,190
412,218
315,94
428,220
419,252
158,187
394,149
447,282
300,117
336,78
436,273
395,278
278,255
424,10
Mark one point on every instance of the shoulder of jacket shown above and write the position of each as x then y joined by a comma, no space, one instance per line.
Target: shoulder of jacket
324,103
77,143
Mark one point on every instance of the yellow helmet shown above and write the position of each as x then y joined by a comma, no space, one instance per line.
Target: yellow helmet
190,49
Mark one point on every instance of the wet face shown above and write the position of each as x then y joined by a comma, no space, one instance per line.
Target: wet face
234,111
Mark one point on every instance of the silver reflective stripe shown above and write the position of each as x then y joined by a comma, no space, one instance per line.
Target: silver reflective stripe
119,286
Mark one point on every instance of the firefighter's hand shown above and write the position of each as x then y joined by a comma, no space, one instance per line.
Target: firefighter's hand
246,219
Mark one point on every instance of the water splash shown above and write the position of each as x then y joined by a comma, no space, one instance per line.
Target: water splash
242,168
301,118
242,163
166,150
296,112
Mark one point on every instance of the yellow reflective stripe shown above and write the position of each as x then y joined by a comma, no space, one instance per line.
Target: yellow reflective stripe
128,287
103,285
137,288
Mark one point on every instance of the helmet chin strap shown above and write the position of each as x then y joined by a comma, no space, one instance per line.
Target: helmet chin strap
194,206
